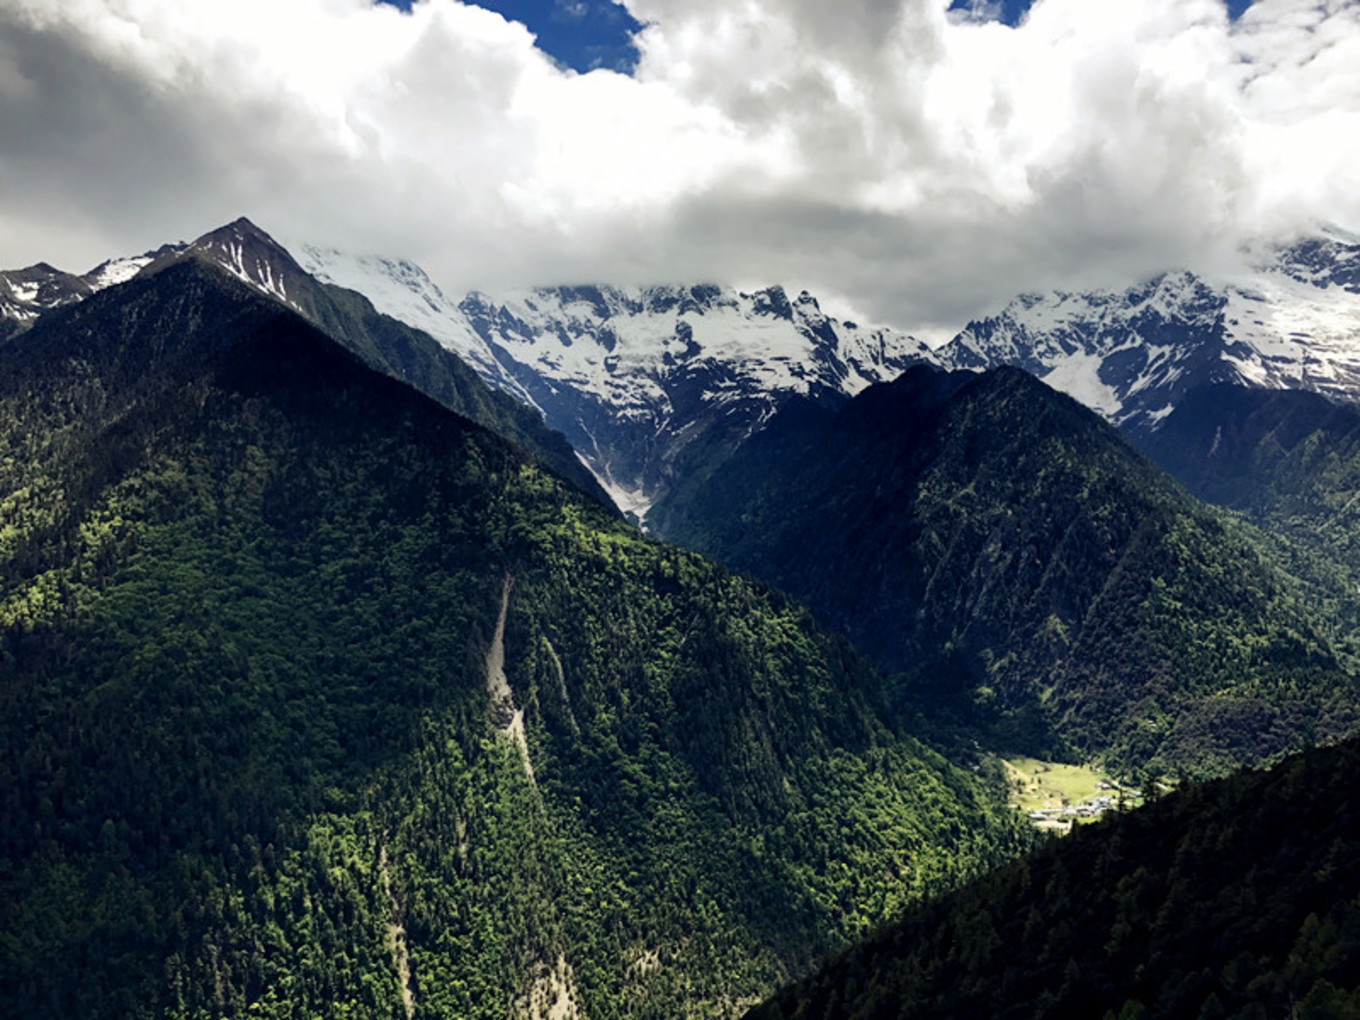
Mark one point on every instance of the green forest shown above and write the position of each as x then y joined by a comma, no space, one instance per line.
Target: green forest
1028,579
251,758
1287,463
1238,898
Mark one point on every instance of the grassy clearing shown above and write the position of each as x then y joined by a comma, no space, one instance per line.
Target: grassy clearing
1054,787
1040,785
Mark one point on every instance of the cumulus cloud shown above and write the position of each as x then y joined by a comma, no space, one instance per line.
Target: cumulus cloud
922,167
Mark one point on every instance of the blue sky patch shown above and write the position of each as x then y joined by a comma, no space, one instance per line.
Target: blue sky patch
581,34
1011,11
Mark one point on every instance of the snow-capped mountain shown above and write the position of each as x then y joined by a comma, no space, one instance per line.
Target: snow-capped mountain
240,247
27,293
402,290
652,384
1293,322
647,383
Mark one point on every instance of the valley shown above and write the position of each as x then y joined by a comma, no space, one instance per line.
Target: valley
1231,898
654,510
279,733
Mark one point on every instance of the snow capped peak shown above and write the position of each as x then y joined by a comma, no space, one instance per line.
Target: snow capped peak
634,375
623,342
241,248
27,293
330,265
1292,321
116,271
643,379
403,290
249,254
1323,261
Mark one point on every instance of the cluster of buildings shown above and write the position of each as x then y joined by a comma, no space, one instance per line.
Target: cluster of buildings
1064,817
1093,808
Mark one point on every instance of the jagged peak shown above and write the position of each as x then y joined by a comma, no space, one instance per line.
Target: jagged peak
37,271
246,252
239,232
28,292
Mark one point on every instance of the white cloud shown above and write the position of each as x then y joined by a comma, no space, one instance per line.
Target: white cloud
920,166
1299,81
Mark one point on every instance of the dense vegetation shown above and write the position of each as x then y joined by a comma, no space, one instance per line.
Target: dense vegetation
1239,898
1289,462
1024,572
251,596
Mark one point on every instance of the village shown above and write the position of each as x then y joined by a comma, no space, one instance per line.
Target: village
1067,815
1057,797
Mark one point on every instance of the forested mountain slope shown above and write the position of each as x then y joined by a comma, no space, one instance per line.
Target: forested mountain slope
318,699
25,294
1238,898
1265,451
1289,461
1023,570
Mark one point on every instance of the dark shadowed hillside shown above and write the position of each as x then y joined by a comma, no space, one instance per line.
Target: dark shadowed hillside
1289,462
1238,898
391,347
1024,572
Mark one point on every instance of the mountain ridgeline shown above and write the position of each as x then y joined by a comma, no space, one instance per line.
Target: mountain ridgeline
319,699
25,294
1018,567
1287,321
382,342
332,684
652,385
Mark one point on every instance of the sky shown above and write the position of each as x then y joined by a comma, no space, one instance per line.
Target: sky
913,164
584,35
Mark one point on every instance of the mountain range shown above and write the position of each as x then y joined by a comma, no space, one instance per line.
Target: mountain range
318,696
1292,321
332,677
27,293
648,384
654,387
